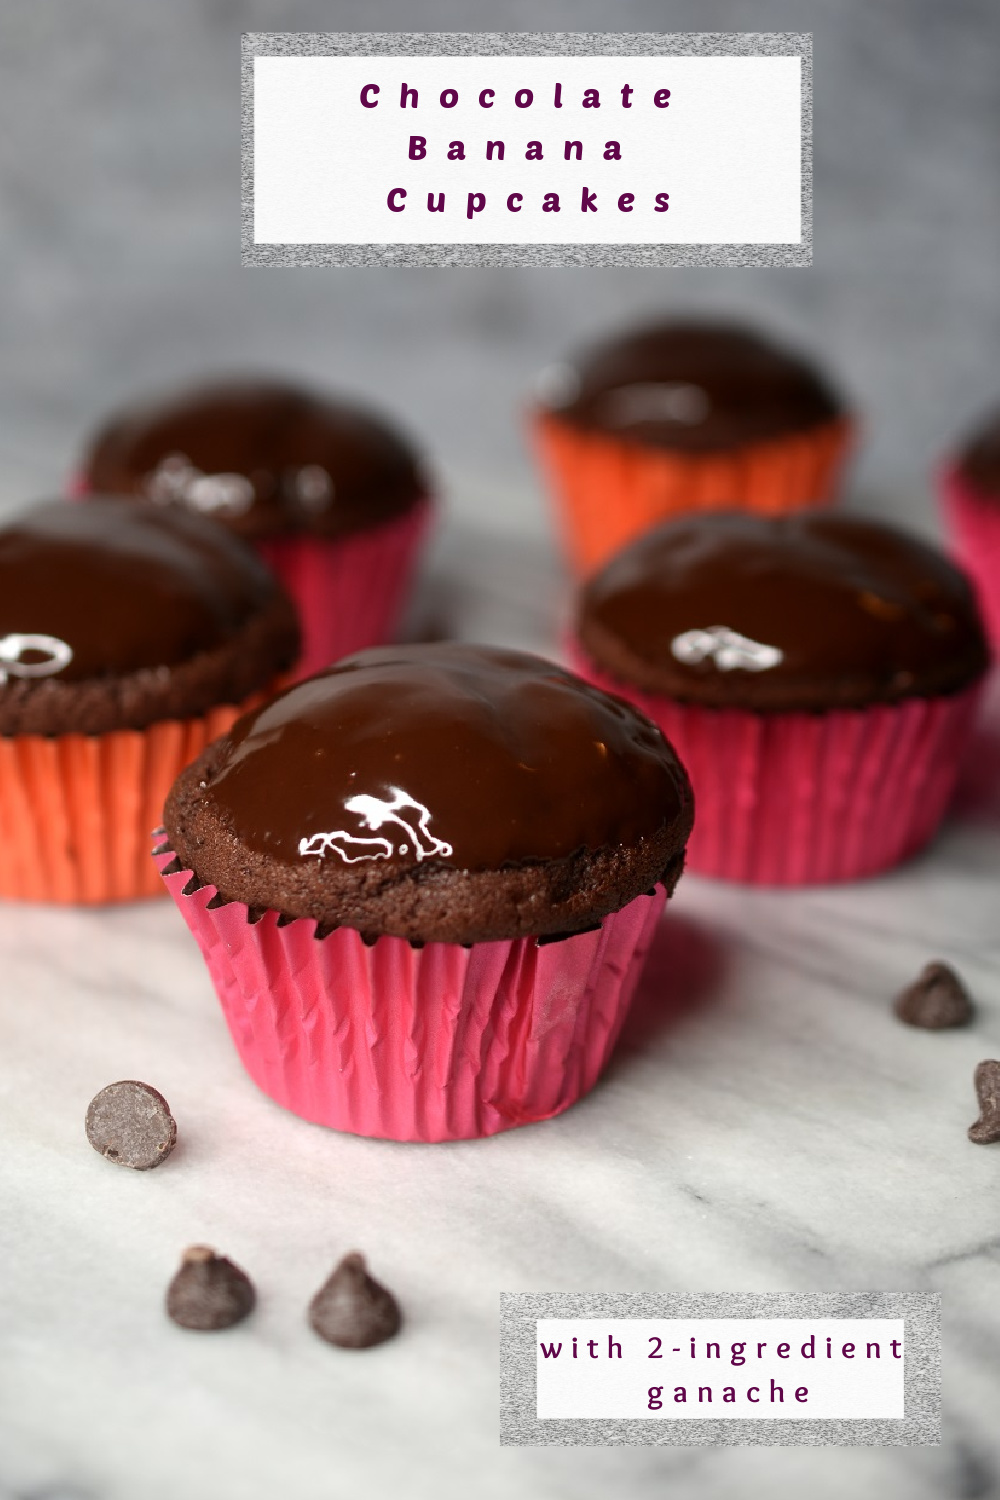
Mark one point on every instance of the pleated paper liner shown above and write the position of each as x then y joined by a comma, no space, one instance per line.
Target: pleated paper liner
810,798
76,810
974,526
607,491
437,1043
350,591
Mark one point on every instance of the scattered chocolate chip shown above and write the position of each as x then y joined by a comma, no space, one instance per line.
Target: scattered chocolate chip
352,1309
987,1127
209,1292
935,1001
131,1124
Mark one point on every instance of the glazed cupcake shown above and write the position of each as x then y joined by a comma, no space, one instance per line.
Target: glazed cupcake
424,882
970,488
678,417
333,499
817,673
130,637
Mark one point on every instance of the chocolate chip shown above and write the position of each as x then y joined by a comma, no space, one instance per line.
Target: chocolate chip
987,1127
935,1001
209,1292
352,1309
131,1124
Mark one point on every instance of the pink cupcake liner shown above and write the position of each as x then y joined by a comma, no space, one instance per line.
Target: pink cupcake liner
810,798
350,591
438,1043
974,524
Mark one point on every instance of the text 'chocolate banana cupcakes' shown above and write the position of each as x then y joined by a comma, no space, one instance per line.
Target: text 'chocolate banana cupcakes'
424,882
130,637
818,674
333,498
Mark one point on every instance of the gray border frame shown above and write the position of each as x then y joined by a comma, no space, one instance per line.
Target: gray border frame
520,1426
524,43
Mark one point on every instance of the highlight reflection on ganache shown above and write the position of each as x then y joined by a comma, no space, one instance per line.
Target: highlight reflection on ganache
178,481
374,813
726,648
52,655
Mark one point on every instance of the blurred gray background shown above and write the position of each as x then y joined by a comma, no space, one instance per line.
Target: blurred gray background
119,193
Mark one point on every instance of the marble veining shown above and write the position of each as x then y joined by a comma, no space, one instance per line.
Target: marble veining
765,1124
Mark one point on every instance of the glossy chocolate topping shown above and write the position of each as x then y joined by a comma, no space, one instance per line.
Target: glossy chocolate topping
263,457
814,611
109,588
693,386
454,754
979,462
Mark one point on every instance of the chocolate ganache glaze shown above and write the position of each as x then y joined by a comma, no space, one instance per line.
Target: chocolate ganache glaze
113,615
450,792
810,611
700,387
979,461
263,457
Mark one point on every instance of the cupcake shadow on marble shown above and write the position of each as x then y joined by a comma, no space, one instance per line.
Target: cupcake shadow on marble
683,973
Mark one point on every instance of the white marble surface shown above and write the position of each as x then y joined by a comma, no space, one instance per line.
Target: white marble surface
766,1125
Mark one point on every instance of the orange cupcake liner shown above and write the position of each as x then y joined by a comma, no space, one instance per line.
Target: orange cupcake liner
606,491
76,810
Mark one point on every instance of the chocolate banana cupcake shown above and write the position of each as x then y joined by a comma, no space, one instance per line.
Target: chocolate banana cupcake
684,416
818,674
334,499
970,492
424,881
130,637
